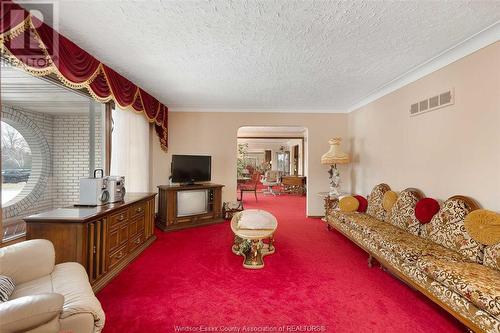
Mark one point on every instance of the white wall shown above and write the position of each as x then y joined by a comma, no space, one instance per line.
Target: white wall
130,150
453,150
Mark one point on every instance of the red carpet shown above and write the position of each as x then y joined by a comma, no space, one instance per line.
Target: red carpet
191,278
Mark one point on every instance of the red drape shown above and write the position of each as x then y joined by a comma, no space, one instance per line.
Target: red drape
40,50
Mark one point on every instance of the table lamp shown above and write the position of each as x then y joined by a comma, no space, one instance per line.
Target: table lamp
333,157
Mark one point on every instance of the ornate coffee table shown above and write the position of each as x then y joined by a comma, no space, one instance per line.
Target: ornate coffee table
249,242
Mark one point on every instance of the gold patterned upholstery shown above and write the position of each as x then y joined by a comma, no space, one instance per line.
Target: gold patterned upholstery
482,319
492,256
447,229
402,213
375,201
364,223
440,257
477,283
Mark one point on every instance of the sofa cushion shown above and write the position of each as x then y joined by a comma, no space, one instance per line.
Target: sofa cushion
363,203
348,204
447,229
338,215
492,256
28,313
362,220
375,201
70,280
409,247
28,260
425,210
402,213
39,286
390,198
483,226
404,245
477,283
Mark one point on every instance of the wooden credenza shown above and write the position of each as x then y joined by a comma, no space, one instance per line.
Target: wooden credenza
103,239
294,184
168,217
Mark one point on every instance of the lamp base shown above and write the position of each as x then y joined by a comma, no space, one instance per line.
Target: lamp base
334,181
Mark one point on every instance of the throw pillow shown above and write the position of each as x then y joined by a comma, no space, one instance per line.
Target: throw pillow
363,203
483,226
6,288
425,209
389,200
348,204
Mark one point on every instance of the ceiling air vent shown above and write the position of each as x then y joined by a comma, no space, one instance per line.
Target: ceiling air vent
433,103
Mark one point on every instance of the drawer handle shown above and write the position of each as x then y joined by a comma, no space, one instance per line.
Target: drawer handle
120,255
138,210
121,218
138,240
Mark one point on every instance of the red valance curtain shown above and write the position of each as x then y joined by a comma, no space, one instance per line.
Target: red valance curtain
40,50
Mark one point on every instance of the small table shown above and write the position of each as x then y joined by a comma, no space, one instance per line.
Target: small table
294,184
230,208
249,243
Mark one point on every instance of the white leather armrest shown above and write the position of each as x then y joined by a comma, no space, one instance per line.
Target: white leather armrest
27,260
28,312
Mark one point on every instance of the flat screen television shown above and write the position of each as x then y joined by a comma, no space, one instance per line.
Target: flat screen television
189,169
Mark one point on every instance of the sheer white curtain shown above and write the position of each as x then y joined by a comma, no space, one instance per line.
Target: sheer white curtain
130,149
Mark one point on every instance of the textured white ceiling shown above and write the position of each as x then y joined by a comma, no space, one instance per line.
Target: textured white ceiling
277,55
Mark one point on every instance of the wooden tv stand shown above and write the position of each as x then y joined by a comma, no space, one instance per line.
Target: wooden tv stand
167,218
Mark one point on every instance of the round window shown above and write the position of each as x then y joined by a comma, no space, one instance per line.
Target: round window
16,163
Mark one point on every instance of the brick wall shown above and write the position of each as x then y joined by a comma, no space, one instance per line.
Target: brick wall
71,155
35,127
67,136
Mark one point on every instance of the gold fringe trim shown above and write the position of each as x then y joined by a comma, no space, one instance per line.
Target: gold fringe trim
52,69
17,30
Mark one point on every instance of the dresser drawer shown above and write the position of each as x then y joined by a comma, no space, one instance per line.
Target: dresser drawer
119,217
137,209
118,237
117,256
135,242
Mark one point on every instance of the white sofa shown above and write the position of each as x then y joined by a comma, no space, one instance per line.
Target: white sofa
47,297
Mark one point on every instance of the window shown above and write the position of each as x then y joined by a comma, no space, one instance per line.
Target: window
16,164
49,141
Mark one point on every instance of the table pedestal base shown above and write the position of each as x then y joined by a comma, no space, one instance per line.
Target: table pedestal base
253,251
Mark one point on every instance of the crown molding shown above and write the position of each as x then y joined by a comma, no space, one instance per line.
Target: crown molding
240,109
483,38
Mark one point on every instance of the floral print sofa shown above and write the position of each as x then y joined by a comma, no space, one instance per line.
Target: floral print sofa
439,258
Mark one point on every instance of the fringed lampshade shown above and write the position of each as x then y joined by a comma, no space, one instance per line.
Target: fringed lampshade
335,155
